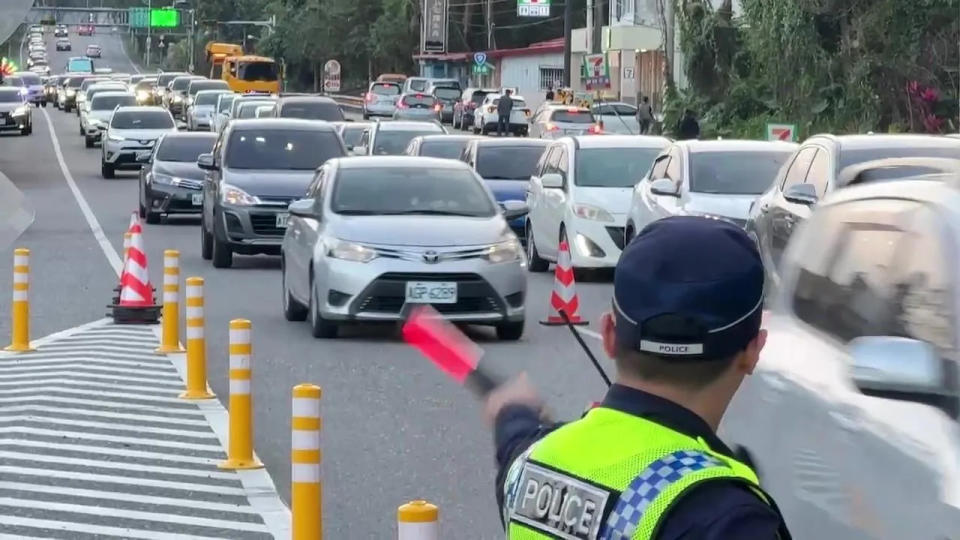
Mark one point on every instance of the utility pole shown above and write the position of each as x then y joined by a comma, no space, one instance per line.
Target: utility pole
567,40
590,23
596,40
489,25
149,27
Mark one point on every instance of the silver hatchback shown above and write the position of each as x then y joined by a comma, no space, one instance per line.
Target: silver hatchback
417,106
379,235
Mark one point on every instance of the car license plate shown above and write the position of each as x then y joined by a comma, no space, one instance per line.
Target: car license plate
7,121
432,292
143,155
197,199
282,220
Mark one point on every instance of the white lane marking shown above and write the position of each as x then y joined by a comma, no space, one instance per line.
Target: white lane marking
176,414
115,416
99,339
125,497
118,465
261,491
106,347
90,360
87,377
106,425
59,390
87,368
125,480
120,532
39,446
113,259
76,383
160,443
123,49
134,514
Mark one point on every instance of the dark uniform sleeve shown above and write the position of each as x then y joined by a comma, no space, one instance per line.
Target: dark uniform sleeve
720,510
515,429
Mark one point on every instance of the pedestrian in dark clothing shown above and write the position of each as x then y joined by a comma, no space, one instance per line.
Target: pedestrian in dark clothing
504,107
688,127
645,115
549,94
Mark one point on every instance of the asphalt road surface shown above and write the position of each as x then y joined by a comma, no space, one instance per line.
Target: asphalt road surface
394,428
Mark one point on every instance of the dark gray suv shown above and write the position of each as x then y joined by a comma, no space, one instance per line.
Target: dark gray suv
256,169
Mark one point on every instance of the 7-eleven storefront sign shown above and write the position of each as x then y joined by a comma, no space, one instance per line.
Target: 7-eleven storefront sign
596,71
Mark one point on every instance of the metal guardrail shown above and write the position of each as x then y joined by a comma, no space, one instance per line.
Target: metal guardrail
350,102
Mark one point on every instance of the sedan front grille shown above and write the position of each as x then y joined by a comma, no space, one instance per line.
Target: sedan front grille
265,224
387,294
190,184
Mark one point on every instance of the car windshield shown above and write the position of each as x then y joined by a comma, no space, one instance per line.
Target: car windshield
80,64
312,110
30,79
184,149
615,109
282,149
142,120
448,94
352,134
862,155
385,89
258,71
10,96
410,190
443,149
394,142
182,83
249,110
108,103
225,103
735,173
613,167
572,117
206,98
508,162
419,101
207,85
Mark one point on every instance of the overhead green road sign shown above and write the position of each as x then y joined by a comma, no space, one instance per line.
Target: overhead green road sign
164,18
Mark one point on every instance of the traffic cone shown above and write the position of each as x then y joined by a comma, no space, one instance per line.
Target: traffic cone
134,221
136,303
564,297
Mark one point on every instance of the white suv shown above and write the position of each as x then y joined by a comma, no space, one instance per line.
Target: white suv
580,191
129,139
851,417
485,116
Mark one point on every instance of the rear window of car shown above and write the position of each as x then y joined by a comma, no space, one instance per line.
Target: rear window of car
446,93
209,98
572,117
184,149
283,149
862,155
508,162
30,79
478,95
410,190
312,110
80,64
417,85
197,86
249,110
443,149
75,82
619,109
352,134
182,83
419,100
517,103
735,173
613,167
385,89
142,120
108,103
225,103
164,78
394,142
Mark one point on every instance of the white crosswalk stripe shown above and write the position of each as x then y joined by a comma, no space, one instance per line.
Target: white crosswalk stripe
94,440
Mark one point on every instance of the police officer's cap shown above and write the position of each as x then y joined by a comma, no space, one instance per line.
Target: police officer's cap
689,288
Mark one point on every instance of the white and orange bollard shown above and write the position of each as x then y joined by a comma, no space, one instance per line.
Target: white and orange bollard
418,520
196,343
306,502
170,333
20,307
240,448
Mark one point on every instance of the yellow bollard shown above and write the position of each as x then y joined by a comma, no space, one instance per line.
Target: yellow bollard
20,308
306,503
170,342
418,520
240,455
196,343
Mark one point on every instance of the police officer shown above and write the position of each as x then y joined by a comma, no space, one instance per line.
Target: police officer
684,331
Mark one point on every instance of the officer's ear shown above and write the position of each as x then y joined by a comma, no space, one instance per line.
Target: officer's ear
608,332
747,361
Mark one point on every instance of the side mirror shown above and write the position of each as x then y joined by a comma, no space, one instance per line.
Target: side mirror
551,181
665,187
896,366
303,208
205,162
514,209
805,194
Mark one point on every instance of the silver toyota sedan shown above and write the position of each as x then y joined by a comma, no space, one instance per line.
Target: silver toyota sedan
378,235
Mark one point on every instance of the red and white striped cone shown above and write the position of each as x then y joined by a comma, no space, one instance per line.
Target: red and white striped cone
134,221
564,297
136,303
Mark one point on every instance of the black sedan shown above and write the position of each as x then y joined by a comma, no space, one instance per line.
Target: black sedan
171,182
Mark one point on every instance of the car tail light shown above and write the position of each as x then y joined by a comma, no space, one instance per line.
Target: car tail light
369,96
595,129
552,127
491,108
401,105
573,109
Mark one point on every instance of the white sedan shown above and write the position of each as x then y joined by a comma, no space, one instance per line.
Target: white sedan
485,117
718,179
580,192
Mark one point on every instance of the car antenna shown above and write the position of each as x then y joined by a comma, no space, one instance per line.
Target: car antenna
579,338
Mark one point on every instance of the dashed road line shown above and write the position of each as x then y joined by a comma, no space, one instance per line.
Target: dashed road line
96,443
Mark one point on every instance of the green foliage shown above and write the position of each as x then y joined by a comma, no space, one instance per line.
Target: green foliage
826,65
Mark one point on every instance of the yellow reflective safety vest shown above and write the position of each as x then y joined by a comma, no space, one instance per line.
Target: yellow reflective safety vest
609,475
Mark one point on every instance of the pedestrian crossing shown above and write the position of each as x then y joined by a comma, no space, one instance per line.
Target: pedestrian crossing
96,443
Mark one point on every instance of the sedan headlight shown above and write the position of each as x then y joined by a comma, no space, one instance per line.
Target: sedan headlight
511,250
236,196
349,251
114,138
164,179
594,213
